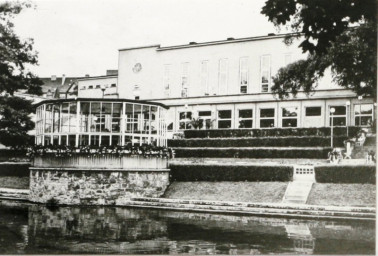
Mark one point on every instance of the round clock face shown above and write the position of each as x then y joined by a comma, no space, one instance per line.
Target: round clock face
137,67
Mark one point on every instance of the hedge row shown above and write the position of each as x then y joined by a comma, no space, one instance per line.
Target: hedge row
323,174
321,153
345,174
271,132
230,173
309,141
19,170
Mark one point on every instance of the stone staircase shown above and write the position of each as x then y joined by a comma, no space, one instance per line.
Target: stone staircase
297,192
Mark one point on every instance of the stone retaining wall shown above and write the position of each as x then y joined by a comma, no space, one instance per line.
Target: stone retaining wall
95,187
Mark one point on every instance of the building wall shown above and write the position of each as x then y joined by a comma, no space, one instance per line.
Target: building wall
151,78
91,87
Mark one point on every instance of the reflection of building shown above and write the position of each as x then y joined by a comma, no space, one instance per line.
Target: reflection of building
226,84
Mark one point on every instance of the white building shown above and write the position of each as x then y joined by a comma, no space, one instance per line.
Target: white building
226,84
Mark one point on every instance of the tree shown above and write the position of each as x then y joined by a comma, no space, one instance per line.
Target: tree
337,34
15,57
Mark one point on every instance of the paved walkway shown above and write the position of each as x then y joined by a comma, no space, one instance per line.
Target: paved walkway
262,161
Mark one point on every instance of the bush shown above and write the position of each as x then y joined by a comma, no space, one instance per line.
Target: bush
230,173
19,170
345,174
271,132
309,141
321,153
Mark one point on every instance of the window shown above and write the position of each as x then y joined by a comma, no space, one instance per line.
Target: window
113,85
265,73
205,117
224,119
313,111
243,74
90,87
290,117
245,118
205,76
223,76
363,114
166,79
83,87
185,79
338,118
98,86
185,120
266,117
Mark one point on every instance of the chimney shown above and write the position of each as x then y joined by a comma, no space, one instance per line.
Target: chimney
63,79
53,78
112,72
86,75
271,34
192,43
230,38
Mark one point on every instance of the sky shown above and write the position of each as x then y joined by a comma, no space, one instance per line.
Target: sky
78,37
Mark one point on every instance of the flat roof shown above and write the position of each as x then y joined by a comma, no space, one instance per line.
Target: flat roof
227,41
101,99
96,77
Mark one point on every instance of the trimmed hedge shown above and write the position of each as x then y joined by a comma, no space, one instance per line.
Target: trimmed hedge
345,174
271,132
6,154
321,153
230,173
19,170
309,141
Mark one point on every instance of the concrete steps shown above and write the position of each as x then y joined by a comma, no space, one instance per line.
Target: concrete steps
14,194
297,192
260,209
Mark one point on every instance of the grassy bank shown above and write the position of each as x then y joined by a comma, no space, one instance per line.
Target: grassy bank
14,182
273,192
269,192
343,194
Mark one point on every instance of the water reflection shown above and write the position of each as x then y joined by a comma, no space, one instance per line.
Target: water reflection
114,230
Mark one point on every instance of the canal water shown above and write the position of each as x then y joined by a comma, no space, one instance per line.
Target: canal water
35,229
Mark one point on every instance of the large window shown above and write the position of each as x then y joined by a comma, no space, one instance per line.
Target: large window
290,117
265,73
205,76
313,111
363,114
185,80
224,119
185,120
245,118
267,117
243,74
223,76
167,79
205,119
338,118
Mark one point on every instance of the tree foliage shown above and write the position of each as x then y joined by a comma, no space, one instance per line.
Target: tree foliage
16,56
337,34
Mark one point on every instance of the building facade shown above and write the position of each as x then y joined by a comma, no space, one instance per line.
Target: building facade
226,85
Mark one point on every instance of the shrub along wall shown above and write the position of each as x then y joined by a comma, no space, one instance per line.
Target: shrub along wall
19,170
309,141
253,153
230,173
345,174
271,132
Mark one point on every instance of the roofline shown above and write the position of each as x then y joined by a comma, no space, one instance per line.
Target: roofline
229,41
96,77
140,47
101,99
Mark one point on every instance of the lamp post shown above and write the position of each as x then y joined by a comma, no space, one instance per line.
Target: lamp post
332,110
347,116
103,90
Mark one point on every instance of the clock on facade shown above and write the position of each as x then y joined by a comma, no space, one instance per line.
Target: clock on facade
137,67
